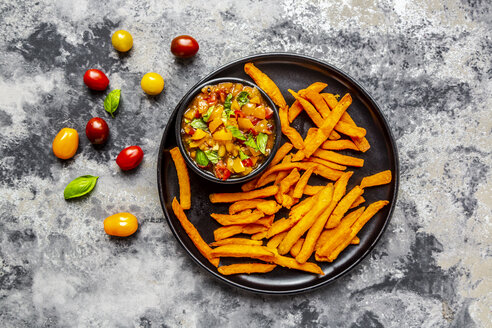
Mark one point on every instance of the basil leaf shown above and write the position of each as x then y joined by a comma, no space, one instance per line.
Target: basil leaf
198,123
242,155
226,113
236,133
80,186
112,101
261,140
201,158
242,98
206,116
212,156
251,142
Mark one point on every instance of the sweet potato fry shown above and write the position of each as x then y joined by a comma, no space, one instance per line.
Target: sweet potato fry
308,108
275,240
338,158
194,235
242,205
357,202
250,185
278,226
285,167
355,241
269,179
244,217
327,173
296,107
236,241
183,178
335,245
312,190
350,130
236,196
266,221
251,229
289,181
301,184
228,231
326,163
339,145
319,223
297,247
252,251
326,128
343,206
298,211
324,199
269,207
319,103
377,179
289,262
289,131
345,224
259,236
264,82
246,268
332,102
281,175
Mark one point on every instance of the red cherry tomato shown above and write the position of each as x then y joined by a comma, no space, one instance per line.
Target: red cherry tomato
184,46
238,113
96,79
221,171
268,113
97,130
129,158
247,162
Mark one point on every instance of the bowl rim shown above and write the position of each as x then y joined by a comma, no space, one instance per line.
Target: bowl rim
183,105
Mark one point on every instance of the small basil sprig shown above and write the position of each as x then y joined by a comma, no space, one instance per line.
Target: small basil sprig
242,155
261,141
242,98
212,156
226,113
236,133
201,158
206,116
198,123
251,142
112,101
80,186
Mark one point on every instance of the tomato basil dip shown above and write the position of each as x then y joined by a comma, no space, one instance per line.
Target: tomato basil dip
228,129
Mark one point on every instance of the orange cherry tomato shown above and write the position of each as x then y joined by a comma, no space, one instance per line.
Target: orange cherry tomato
121,224
66,143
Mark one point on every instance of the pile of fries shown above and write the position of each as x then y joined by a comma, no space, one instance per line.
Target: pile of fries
323,220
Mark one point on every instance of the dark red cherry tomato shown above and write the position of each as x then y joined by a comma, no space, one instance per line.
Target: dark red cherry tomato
96,79
247,162
184,46
97,131
221,171
129,158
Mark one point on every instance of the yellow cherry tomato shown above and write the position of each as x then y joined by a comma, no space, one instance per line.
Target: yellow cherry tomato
66,143
152,83
121,224
122,40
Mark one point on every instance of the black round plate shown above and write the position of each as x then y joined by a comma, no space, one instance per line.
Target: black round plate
295,72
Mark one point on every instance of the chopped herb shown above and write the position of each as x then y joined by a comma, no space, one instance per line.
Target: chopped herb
250,142
206,116
198,123
201,158
261,140
242,98
226,113
212,155
236,133
242,155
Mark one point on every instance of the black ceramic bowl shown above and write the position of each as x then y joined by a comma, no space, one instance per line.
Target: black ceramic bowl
188,98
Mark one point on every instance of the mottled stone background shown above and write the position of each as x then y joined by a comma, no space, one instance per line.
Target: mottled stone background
427,63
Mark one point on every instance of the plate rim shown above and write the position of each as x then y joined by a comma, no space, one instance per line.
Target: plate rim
396,174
